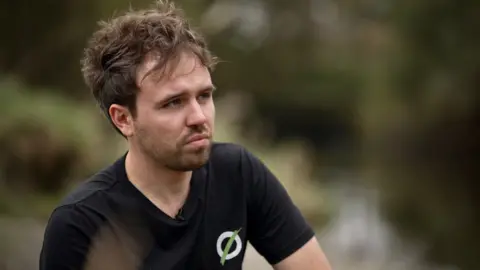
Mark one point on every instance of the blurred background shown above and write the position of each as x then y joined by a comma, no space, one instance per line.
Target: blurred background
366,110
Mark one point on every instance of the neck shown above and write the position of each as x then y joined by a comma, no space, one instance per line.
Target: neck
167,189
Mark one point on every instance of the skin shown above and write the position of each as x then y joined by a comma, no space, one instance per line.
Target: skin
169,112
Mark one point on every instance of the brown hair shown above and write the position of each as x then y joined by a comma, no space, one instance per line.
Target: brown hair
119,47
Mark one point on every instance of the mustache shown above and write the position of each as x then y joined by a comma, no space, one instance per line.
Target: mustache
198,131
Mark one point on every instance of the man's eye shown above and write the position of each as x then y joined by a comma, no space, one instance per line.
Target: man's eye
206,95
173,103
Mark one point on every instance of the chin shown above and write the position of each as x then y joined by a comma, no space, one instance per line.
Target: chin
193,162
196,166
198,162
187,167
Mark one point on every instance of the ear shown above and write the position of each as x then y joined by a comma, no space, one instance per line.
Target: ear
122,119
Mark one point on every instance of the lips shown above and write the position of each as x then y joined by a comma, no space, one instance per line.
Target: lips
197,137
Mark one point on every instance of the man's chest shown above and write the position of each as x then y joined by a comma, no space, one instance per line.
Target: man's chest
215,238
225,251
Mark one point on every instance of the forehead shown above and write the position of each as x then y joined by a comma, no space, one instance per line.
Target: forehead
186,72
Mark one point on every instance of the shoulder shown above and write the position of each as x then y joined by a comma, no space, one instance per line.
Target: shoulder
231,153
235,161
89,189
231,157
67,217
87,204
80,209
68,236
224,151
83,208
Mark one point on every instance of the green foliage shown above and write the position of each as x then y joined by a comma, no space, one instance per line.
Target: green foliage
47,141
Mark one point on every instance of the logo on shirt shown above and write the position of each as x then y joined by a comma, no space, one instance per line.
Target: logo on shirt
225,254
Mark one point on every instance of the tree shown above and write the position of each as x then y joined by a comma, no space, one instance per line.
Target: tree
429,157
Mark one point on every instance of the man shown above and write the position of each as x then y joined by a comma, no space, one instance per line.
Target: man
175,200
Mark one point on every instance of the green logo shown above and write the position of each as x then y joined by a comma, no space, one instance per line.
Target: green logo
225,254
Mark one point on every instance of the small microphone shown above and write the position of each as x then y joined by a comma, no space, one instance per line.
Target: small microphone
179,215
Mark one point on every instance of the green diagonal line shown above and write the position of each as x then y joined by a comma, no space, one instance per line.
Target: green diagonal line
228,246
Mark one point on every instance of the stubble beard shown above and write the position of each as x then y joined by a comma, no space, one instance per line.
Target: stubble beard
191,160
176,159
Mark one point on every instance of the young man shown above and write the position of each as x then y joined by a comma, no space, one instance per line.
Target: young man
175,200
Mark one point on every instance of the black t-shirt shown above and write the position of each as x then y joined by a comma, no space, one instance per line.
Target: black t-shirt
233,199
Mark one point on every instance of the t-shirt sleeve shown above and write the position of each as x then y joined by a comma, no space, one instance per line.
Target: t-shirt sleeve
276,227
66,240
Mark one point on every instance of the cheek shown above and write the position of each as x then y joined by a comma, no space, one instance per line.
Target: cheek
160,134
150,124
210,113
166,127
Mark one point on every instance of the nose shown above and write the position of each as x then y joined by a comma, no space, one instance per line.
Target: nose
196,115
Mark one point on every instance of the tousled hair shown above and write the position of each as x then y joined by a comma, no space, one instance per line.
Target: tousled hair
117,49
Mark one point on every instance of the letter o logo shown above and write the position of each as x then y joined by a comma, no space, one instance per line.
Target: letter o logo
230,255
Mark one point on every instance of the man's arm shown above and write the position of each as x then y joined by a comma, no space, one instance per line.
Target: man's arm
75,241
66,240
310,256
276,227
